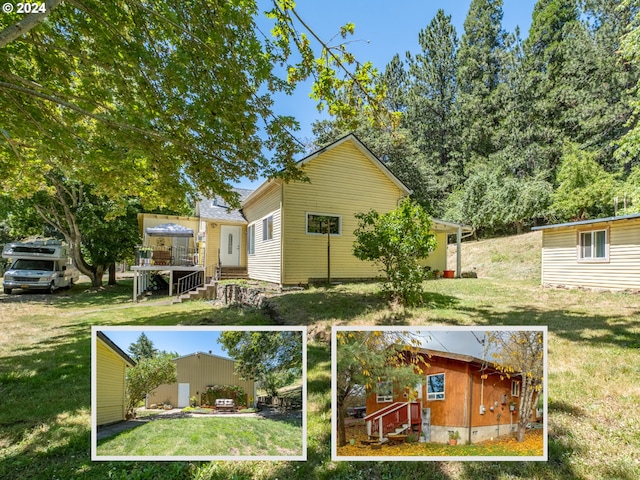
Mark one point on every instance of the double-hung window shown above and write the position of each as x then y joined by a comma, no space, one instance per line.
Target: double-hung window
435,387
267,228
593,245
515,388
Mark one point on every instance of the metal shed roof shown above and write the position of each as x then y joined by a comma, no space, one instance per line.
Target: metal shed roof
587,222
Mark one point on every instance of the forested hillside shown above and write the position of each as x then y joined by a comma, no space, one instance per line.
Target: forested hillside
502,132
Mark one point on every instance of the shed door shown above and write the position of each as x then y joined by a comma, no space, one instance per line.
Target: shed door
183,395
230,245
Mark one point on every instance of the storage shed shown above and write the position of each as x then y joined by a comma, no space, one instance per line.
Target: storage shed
602,253
195,373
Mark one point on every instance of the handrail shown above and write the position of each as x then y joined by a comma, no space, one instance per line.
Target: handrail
190,282
379,423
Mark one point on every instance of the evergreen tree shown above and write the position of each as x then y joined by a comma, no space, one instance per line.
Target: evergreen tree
142,348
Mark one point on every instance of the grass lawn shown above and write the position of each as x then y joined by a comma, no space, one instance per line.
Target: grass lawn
594,381
207,436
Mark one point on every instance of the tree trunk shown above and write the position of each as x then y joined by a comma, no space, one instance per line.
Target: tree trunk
342,431
112,274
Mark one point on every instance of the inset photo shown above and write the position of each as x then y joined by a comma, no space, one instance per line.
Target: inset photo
439,393
198,393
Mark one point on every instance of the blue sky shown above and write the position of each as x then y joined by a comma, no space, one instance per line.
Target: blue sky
182,341
382,29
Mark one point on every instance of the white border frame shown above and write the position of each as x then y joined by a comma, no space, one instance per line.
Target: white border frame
426,328
206,458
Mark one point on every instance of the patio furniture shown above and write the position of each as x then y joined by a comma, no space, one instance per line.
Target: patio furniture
161,257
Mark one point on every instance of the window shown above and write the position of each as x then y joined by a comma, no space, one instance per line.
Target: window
317,224
267,228
593,245
435,387
385,392
230,244
251,239
515,388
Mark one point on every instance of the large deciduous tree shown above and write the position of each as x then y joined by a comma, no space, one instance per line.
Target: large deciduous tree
271,357
520,354
368,359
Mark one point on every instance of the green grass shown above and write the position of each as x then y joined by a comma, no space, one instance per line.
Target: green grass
207,436
593,385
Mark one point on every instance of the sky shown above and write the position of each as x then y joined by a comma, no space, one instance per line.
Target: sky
382,29
463,342
182,341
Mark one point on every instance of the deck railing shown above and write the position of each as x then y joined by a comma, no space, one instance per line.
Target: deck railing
194,280
167,256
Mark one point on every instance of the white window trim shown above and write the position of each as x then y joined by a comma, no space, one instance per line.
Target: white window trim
432,397
582,259
265,222
306,223
515,388
384,398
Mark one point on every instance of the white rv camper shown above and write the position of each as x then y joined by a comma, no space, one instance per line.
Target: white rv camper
38,265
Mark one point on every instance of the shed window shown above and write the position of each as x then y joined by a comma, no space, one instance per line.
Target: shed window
515,388
385,392
267,228
435,387
317,224
593,245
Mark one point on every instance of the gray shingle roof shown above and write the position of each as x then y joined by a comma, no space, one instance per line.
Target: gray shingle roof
218,209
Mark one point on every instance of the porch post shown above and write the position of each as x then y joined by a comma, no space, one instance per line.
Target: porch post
171,282
459,252
135,286
380,427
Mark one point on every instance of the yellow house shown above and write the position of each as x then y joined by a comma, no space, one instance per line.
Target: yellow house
599,253
110,375
279,234
195,372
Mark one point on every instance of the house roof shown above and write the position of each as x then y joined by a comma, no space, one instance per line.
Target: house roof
203,353
588,222
360,146
116,349
218,209
449,227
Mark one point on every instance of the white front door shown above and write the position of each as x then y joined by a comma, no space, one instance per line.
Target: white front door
183,395
230,241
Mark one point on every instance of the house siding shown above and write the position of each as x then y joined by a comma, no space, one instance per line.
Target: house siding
464,391
110,385
199,371
265,264
560,265
343,182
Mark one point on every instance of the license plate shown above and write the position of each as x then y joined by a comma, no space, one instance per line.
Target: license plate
24,286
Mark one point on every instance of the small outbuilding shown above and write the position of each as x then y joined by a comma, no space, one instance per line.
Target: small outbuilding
110,375
602,253
196,373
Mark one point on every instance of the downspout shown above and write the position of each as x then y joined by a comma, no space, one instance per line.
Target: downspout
470,409
281,234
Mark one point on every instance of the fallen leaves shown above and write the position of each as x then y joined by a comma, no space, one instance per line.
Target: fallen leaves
533,446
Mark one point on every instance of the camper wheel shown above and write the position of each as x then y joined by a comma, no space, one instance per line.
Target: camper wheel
51,288
7,291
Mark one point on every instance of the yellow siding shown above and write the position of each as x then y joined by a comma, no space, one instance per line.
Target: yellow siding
343,182
199,371
265,263
561,267
437,260
110,385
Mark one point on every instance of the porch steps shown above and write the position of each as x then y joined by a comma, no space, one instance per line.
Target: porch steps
232,273
205,292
